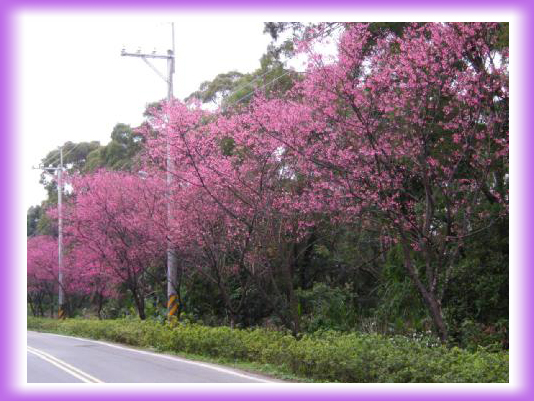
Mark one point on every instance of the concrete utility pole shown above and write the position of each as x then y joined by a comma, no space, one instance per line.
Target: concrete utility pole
172,266
61,298
59,169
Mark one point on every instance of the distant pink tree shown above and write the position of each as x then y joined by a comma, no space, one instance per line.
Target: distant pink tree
115,222
43,271
91,275
42,264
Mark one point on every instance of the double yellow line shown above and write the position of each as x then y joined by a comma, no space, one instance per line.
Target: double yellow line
84,377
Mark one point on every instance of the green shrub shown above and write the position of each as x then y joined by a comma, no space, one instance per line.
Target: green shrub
326,307
325,355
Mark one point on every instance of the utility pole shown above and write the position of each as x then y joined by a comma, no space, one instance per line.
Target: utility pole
172,266
59,169
61,298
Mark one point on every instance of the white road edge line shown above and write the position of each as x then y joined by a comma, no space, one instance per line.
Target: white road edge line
172,358
80,375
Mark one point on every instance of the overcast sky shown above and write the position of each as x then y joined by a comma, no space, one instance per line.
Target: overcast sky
72,83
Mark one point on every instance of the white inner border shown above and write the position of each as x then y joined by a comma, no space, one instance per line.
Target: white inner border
517,204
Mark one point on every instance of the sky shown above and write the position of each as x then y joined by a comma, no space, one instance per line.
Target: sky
73,85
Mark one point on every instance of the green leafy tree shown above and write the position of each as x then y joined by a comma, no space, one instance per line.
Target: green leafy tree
119,153
234,89
33,216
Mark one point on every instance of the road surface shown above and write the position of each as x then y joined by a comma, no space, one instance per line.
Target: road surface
54,358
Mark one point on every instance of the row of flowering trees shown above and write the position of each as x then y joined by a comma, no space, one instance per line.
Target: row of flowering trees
406,132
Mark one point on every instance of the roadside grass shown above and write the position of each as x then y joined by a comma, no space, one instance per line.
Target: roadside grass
326,356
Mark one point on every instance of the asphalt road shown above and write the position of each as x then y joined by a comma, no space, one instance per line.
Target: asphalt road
61,359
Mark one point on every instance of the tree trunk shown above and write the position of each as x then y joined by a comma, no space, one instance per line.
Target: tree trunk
292,299
51,305
40,305
139,303
30,301
100,305
232,319
68,306
437,315
429,298
305,262
293,304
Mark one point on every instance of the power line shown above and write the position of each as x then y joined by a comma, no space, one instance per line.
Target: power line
263,86
74,147
54,159
319,35
251,82
57,157
323,33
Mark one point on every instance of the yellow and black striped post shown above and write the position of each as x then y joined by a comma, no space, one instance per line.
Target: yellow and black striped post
61,313
172,305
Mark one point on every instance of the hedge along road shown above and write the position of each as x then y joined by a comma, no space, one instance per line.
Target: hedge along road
54,358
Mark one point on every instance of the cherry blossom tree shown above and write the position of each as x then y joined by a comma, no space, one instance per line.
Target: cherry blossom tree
413,133
238,179
42,271
92,276
116,222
